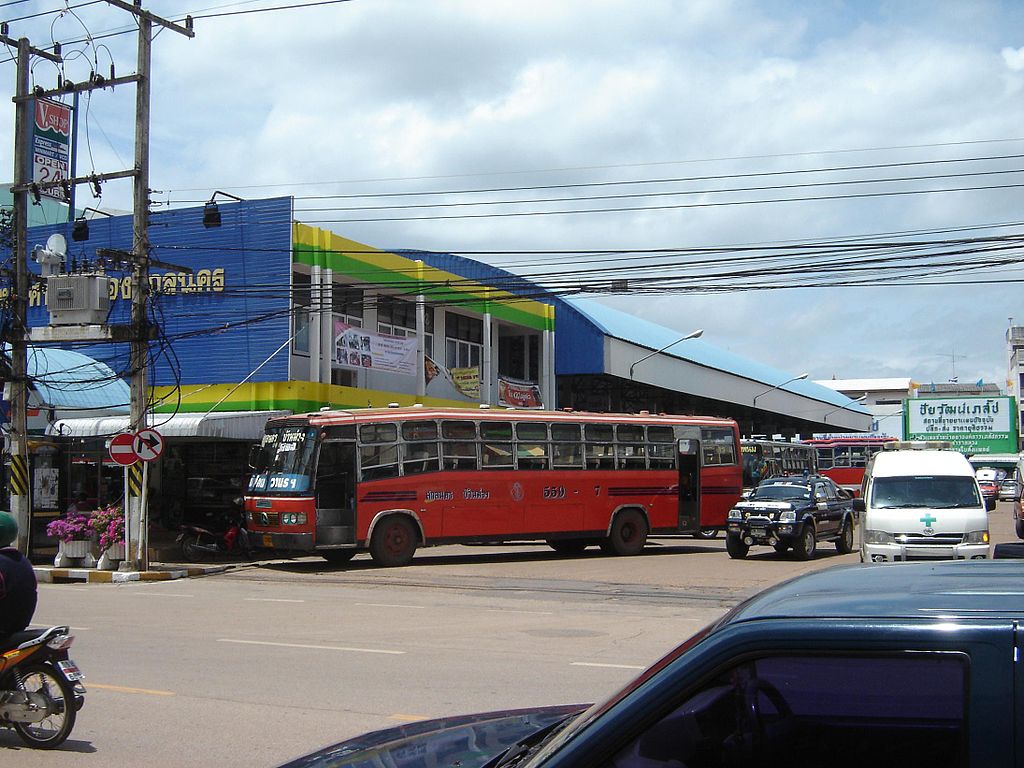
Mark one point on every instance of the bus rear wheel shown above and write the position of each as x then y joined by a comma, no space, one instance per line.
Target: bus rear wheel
393,542
628,534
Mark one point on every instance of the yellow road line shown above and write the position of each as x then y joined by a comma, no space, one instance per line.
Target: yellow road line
125,689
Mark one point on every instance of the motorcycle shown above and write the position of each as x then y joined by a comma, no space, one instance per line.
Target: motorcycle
40,686
198,543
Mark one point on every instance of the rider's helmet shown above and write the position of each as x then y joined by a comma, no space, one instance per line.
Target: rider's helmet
8,529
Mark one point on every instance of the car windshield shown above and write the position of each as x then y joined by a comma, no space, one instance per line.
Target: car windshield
781,492
924,491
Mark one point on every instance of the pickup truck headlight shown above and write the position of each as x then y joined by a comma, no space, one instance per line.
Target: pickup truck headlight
789,516
735,514
878,537
977,537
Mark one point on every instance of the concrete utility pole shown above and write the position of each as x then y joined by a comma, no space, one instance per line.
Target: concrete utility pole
20,486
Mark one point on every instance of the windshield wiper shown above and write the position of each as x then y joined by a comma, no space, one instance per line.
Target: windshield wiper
523,747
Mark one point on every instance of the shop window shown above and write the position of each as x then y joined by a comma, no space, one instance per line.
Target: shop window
302,301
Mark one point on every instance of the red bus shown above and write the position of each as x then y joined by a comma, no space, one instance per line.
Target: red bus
844,459
390,480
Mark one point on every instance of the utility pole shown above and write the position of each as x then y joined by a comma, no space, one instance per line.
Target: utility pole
139,331
20,487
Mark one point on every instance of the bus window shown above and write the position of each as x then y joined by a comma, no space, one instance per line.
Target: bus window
458,430
841,456
496,456
496,430
378,461
719,446
419,430
378,433
661,448
825,458
858,456
566,446
598,449
532,431
629,452
420,457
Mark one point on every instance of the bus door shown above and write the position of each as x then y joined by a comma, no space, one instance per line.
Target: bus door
689,484
336,493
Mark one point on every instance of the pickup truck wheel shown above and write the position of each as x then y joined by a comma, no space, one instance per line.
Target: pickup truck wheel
844,544
1019,527
735,547
804,547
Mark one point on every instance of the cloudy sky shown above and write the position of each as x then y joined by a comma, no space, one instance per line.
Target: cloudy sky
707,156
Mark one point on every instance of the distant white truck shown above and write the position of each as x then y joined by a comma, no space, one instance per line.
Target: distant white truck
921,503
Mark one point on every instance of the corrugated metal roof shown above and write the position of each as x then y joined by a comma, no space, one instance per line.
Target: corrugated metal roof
643,333
226,425
71,380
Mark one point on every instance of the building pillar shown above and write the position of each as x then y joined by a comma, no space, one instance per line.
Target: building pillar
314,324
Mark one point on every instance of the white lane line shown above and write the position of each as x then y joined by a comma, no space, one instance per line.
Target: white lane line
530,613
153,593
314,647
273,600
388,605
606,666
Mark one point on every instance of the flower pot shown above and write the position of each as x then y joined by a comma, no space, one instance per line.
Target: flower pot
73,553
110,558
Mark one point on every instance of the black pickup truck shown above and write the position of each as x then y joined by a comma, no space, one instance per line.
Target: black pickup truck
792,512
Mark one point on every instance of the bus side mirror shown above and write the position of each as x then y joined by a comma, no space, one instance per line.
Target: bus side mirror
257,456
858,504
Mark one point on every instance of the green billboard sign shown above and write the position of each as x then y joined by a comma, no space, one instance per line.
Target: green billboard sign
972,424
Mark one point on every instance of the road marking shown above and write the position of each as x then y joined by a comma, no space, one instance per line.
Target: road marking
531,613
124,689
273,600
154,593
388,605
314,647
607,666
408,718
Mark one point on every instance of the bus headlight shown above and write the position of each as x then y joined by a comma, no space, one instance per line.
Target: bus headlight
878,537
788,516
735,514
293,518
977,537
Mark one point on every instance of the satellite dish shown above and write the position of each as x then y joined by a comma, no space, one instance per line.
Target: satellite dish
56,244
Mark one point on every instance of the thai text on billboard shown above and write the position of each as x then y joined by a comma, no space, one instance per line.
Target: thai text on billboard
971,424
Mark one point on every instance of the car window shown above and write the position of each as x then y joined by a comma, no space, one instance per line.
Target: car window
781,492
812,711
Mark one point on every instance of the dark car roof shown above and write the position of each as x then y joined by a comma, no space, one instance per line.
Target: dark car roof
964,589
793,479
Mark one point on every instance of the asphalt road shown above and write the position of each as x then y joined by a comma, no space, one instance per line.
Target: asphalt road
267,662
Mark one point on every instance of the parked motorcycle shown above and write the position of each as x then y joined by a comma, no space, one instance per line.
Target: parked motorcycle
198,543
40,686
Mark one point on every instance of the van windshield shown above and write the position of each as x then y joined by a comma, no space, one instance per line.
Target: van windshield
924,491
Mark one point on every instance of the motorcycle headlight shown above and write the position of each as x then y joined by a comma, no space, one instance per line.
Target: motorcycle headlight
788,516
878,537
977,537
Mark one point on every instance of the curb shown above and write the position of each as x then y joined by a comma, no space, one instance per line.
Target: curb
50,575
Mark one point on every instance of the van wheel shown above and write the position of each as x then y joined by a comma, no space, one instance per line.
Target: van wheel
805,546
844,544
393,542
735,547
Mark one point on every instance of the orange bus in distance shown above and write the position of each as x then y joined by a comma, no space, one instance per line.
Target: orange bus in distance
391,480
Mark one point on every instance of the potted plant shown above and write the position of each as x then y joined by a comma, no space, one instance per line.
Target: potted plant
75,532
108,524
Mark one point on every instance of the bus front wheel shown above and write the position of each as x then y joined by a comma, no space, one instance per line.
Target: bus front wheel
393,542
628,534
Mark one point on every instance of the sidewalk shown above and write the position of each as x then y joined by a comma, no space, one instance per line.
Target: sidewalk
48,574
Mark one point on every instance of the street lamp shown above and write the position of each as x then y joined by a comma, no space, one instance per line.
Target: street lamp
777,386
861,399
695,335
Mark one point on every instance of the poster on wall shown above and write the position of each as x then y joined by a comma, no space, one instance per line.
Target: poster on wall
518,394
451,384
51,145
358,348
971,424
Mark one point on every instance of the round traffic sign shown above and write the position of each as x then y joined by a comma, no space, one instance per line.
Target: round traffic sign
122,449
149,444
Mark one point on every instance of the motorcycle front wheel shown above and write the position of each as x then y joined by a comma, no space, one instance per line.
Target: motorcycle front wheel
52,730
192,548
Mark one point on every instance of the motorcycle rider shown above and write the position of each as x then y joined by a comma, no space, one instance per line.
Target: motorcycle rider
17,581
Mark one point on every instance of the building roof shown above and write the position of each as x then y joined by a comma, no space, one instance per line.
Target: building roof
224,425
65,379
868,385
934,591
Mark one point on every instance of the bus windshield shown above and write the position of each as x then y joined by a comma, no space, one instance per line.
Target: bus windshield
933,492
287,461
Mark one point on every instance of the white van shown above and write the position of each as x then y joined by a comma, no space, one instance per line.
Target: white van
921,504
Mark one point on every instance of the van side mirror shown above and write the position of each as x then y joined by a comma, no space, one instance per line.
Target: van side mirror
858,504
